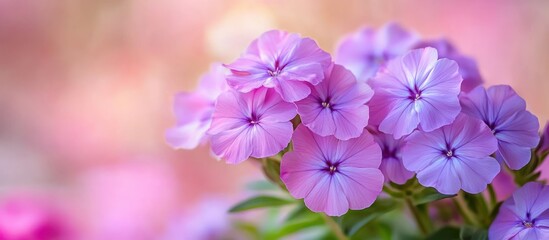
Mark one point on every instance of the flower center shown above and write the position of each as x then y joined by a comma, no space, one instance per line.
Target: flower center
449,153
274,73
331,167
417,97
325,104
528,224
276,70
254,119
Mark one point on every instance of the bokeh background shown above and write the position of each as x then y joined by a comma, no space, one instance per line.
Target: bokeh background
86,90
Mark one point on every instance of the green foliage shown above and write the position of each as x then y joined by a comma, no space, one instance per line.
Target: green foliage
427,195
446,233
260,202
353,221
472,233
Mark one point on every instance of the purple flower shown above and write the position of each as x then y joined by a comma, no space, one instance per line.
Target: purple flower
336,106
391,163
332,175
453,157
367,50
505,113
280,60
467,66
417,89
523,216
254,124
193,110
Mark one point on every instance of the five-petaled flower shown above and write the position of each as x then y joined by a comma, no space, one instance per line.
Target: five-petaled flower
254,124
331,174
505,113
525,215
280,60
337,106
453,157
417,89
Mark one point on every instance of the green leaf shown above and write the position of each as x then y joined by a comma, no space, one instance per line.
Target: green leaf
260,202
446,233
298,225
472,233
353,221
261,185
301,211
428,195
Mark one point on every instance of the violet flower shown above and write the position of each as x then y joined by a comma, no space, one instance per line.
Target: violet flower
523,216
504,112
417,89
391,163
255,124
453,157
467,66
332,175
193,110
367,50
336,106
280,60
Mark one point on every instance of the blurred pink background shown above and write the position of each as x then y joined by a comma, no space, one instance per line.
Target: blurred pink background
86,90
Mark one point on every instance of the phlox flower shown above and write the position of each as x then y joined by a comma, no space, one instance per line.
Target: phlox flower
331,174
391,162
255,124
505,114
280,60
193,110
417,89
525,215
367,50
337,105
467,66
453,157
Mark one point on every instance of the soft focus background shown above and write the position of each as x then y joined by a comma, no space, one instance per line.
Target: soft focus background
86,90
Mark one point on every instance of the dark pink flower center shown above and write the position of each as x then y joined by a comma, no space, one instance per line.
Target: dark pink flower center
326,103
331,168
253,119
415,94
276,69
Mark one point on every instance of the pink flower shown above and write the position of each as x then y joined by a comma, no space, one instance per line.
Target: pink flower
336,106
193,110
32,218
332,175
417,89
368,50
255,124
280,60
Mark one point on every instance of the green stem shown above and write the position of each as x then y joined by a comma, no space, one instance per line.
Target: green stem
467,215
334,227
421,223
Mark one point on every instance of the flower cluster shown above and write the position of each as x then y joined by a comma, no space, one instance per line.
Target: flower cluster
392,106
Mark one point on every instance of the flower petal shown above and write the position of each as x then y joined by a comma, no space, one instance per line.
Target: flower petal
361,186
